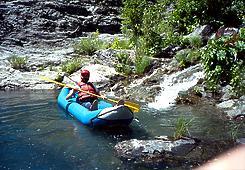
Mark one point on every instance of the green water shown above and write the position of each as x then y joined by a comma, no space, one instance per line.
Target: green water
36,134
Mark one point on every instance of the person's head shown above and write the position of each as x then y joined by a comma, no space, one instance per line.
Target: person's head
85,74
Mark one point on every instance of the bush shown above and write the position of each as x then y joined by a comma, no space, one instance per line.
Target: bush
120,44
188,57
124,63
195,41
132,15
223,61
18,62
87,46
141,64
71,66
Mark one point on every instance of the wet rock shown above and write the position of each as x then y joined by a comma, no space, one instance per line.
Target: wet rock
241,141
233,108
171,153
155,151
187,98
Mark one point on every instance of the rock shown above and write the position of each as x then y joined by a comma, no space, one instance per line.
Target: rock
233,108
204,31
31,21
241,141
226,104
154,151
168,52
224,31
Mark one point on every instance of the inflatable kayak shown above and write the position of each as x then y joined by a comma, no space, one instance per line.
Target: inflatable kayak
106,115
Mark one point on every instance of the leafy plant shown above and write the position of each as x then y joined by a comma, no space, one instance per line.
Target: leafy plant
223,61
181,127
141,64
132,15
124,63
188,57
71,66
195,41
120,44
89,45
18,62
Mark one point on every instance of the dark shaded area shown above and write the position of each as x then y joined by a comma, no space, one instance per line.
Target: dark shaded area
34,21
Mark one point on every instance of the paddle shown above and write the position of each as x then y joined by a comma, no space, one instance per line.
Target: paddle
133,106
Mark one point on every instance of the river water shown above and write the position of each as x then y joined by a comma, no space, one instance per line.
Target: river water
37,134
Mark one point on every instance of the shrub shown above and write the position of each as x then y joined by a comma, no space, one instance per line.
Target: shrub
223,61
188,57
18,62
187,14
141,64
124,63
89,45
71,66
195,41
120,44
132,15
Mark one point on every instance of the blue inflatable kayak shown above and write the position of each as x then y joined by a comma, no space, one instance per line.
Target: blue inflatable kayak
106,115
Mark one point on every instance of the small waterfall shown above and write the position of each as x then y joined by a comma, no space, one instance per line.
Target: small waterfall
174,83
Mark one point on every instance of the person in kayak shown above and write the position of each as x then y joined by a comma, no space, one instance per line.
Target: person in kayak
87,100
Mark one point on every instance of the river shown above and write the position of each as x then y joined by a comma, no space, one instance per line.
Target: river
37,134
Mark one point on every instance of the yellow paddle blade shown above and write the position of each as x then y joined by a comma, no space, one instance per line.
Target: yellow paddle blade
133,106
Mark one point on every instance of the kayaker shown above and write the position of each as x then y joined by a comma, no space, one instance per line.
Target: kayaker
87,100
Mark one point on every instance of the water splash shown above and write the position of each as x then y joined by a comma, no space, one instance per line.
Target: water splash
174,83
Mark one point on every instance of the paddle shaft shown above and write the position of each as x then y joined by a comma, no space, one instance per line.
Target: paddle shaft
134,107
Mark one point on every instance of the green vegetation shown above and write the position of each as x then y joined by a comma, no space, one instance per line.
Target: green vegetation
142,63
72,66
124,63
188,57
152,26
120,44
18,62
181,127
234,128
194,41
88,45
223,61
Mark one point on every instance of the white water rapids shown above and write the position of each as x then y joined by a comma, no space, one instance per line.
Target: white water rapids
174,83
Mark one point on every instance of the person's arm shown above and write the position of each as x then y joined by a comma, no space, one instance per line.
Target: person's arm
96,90
72,91
230,160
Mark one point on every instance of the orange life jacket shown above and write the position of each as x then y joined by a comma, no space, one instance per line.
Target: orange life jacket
89,87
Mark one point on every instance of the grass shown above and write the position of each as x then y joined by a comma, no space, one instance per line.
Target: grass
88,45
17,62
72,66
181,128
